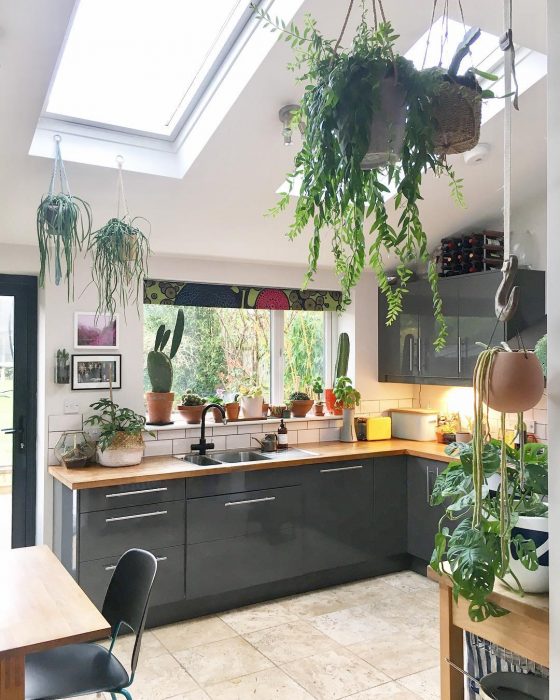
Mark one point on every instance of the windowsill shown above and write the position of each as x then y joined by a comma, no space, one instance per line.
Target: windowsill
180,424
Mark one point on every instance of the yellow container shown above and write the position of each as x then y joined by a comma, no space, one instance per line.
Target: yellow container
378,428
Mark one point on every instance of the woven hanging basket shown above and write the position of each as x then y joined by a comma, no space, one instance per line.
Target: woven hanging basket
457,116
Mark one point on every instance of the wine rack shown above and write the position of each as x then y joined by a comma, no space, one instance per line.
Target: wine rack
471,252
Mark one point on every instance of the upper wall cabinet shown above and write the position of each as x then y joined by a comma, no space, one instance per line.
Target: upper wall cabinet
406,351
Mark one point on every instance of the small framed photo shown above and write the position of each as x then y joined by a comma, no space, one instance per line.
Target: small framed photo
95,331
96,372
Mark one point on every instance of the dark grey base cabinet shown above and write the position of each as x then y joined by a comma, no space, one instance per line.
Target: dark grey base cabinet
423,519
233,539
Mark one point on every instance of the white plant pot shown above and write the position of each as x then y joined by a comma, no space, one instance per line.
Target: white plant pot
536,529
251,407
348,430
120,457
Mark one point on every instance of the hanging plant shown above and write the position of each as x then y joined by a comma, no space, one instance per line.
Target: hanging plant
346,93
63,225
120,257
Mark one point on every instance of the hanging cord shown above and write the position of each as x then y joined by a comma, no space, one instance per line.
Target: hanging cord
121,198
336,46
445,35
434,8
58,168
375,20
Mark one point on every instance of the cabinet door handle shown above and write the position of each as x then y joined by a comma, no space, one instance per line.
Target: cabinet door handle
138,515
135,493
112,567
410,353
460,356
419,355
250,500
427,484
341,469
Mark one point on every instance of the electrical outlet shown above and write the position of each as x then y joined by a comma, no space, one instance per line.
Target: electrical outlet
530,426
71,406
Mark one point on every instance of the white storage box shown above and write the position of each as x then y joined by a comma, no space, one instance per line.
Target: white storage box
414,423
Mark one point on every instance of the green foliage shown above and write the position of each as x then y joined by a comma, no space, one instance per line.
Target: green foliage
474,553
112,419
120,262
342,201
63,225
318,387
251,390
160,369
303,349
540,352
299,396
342,356
192,399
345,392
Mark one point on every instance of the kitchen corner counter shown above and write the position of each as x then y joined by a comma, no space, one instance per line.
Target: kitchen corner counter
169,467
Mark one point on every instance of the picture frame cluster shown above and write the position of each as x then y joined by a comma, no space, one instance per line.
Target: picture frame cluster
92,371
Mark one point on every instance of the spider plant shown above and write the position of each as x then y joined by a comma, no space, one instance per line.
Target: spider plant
63,225
120,262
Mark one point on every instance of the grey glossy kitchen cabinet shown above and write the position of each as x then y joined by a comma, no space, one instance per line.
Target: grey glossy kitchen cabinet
405,349
423,519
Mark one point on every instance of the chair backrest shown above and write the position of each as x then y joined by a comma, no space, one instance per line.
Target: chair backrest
128,595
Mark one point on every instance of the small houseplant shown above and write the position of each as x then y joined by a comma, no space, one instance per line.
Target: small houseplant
120,442
160,371
191,407
215,412
63,226
301,404
340,370
251,400
348,397
318,406
232,409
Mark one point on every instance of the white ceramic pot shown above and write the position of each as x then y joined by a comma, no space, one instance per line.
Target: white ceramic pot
535,529
348,430
251,406
120,457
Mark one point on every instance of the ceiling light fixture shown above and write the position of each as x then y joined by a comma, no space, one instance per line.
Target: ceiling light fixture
286,116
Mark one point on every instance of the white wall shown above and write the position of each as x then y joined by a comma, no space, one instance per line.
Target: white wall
553,294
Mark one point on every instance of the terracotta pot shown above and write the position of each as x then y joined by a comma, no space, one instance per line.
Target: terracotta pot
217,416
516,382
330,400
301,408
232,410
192,414
319,409
160,405
265,408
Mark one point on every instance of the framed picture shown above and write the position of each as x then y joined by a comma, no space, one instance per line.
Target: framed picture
94,371
95,331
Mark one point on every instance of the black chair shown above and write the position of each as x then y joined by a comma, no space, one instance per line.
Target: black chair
81,669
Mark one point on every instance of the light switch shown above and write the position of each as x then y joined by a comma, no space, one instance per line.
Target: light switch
71,406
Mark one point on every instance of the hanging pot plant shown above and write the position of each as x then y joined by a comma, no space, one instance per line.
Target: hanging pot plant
120,257
347,91
63,225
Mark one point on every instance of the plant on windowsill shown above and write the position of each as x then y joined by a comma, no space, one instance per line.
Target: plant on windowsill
368,130
120,442
301,404
251,400
340,370
215,412
318,406
160,372
191,407
63,226
348,398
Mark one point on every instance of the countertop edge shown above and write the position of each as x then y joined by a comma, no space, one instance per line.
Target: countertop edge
168,467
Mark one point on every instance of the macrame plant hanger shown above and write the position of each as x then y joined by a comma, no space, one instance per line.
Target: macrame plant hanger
377,6
60,170
121,197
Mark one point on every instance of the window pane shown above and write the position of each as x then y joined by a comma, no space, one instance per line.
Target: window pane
221,348
304,349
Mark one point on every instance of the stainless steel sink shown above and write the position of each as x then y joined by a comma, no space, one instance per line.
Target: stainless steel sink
200,460
241,456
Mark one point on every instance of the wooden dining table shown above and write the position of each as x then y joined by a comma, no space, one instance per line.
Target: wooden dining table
41,607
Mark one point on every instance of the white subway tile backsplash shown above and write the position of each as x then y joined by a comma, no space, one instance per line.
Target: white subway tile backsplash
336,423
224,430
53,439
171,434
181,446
329,434
387,404
405,403
51,459
219,442
191,433
158,447
312,435
148,437
369,406
234,442
64,422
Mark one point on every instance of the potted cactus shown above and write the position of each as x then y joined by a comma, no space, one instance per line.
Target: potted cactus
301,404
160,371
191,407
340,370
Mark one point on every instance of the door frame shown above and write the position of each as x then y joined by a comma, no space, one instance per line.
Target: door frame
24,468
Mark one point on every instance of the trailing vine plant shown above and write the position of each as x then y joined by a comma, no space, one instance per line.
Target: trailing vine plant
337,196
63,226
120,257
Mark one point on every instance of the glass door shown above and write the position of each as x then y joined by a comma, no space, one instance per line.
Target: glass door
18,409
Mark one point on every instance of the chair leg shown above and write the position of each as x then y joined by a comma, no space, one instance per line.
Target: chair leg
124,691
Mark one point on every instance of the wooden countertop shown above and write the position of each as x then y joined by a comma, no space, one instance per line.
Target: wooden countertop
41,606
169,467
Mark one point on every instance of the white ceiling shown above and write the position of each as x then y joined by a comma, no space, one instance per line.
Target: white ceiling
217,210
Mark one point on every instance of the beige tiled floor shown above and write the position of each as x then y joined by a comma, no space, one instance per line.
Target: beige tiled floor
370,640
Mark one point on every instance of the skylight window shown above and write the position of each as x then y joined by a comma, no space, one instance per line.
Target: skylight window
138,65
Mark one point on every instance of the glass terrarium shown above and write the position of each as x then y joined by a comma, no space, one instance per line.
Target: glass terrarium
74,449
